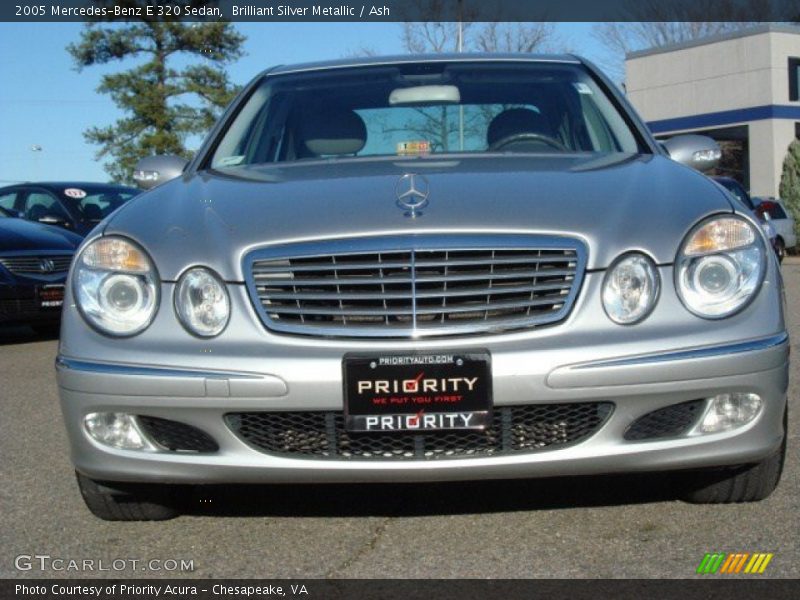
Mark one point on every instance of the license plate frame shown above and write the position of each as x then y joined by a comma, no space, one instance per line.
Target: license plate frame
51,295
417,392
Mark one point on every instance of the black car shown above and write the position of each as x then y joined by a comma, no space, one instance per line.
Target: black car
71,205
34,260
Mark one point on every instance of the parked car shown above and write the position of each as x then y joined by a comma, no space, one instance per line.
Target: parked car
738,191
76,206
781,219
335,291
34,260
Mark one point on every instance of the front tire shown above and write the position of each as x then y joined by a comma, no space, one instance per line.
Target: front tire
127,502
748,483
780,249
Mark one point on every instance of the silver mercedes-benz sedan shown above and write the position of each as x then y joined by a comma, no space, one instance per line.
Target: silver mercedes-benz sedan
425,269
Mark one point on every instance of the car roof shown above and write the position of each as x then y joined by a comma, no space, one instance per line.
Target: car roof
399,59
61,185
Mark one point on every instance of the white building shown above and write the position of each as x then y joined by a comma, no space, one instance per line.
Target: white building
743,89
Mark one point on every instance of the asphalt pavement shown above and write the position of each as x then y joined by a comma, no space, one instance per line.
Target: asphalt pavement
566,528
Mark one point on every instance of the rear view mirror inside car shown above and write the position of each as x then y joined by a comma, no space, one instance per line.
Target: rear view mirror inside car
425,94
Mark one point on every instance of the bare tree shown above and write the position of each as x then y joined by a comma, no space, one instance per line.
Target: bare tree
361,51
439,37
619,39
517,37
627,37
432,37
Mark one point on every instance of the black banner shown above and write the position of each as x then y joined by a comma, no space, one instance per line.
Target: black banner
713,588
402,10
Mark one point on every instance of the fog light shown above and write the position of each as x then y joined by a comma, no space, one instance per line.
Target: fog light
118,430
728,411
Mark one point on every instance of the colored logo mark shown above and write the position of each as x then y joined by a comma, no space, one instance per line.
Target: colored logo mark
734,562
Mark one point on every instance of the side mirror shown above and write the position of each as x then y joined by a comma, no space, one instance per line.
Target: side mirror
155,170
696,151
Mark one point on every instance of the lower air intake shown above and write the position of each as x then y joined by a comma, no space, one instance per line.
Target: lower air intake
175,436
513,430
671,421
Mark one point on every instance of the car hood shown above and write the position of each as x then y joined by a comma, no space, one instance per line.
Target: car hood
614,203
21,235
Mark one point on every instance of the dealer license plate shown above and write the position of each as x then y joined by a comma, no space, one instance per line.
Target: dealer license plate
417,392
51,296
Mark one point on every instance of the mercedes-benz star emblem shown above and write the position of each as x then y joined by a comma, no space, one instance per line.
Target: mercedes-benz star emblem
47,266
412,193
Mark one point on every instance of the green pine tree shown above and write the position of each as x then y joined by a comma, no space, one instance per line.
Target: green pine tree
790,182
164,105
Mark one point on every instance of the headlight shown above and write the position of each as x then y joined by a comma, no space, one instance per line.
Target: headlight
720,267
202,303
630,289
116,286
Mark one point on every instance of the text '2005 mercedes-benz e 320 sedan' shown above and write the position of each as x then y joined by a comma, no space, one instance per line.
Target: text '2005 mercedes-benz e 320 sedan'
425,269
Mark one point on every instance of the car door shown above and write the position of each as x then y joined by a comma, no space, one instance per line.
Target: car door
785,225
9,199
43,206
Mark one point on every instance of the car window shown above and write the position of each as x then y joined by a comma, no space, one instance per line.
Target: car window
425,109
42,204
774,210
737,190
383,138
8,200
96,205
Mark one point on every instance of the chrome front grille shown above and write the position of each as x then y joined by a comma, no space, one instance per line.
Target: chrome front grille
415,285
37,265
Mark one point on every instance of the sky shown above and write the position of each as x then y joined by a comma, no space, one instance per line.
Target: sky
46,105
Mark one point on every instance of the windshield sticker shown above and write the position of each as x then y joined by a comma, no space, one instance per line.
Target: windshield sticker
582,88
75,193
413,148
230,161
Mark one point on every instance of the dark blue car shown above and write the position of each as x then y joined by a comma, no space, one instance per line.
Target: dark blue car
34,260
75,206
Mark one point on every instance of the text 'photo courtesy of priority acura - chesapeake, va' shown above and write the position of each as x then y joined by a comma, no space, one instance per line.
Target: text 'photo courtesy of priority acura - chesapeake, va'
329,295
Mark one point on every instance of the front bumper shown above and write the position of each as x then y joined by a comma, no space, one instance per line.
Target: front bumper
636,384
31,302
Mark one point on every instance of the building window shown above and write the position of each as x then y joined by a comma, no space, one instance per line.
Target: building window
797,130
794,79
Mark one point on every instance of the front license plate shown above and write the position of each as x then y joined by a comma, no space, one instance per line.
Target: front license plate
51,296
417,392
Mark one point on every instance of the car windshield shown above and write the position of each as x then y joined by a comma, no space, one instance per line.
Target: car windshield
4,214
425,109
96,203
737,190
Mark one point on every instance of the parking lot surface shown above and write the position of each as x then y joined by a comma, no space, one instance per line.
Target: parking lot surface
579,527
